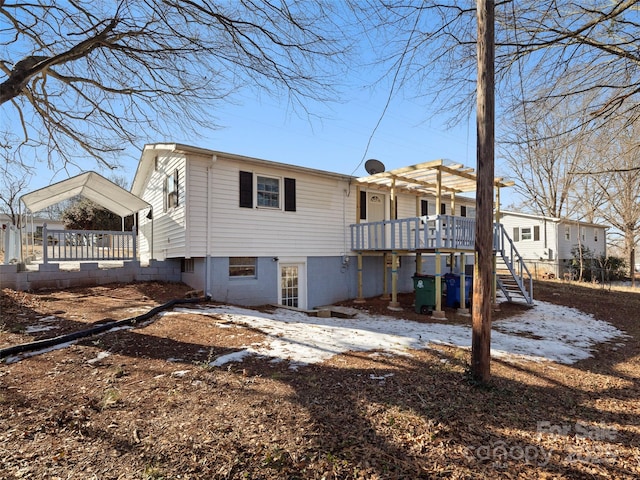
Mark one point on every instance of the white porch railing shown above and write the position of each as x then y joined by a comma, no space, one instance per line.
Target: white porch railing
78,245
427,232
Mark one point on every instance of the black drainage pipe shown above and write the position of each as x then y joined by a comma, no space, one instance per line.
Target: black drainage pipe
103,327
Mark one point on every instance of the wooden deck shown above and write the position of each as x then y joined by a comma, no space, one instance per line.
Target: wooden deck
444,233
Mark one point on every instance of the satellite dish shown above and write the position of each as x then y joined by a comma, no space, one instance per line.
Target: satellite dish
373,166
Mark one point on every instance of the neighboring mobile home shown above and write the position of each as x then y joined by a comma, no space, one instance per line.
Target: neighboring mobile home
254,232
546,243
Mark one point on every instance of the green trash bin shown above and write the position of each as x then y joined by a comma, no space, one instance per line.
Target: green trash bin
425,288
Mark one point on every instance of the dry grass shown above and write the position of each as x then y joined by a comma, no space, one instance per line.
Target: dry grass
136,415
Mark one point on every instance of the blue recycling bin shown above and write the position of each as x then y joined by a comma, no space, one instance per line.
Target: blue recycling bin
453,289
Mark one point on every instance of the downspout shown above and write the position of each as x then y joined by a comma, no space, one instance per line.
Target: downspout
208,290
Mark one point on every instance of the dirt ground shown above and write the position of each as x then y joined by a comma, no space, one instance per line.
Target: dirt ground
155,409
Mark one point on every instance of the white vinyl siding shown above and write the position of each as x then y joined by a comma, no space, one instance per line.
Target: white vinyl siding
318,227
196,219
169,237
551,238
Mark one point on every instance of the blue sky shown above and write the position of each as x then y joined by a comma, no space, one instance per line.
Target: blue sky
334,139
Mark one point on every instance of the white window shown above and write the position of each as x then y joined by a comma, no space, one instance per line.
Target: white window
567,232
268,192
525,233
242,266
171,191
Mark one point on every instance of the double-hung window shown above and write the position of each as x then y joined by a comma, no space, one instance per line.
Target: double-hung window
263,191
171,190
268,192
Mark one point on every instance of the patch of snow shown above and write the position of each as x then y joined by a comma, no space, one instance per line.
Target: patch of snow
231,357
100,356
39,328
546,332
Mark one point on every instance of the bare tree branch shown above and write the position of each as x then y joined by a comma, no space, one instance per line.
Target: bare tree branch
100,75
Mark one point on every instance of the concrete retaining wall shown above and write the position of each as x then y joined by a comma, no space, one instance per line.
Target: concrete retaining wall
50,276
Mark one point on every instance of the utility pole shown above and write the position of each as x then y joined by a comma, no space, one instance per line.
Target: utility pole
485,123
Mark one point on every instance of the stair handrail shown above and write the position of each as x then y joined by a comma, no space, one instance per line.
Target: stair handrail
500,239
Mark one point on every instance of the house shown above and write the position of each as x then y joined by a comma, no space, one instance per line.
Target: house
29,235
32,225
253,232
546,243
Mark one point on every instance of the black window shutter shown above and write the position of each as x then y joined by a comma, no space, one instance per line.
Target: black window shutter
536,232
424,208
443,209
246,189
516,234
463,210
363,205
289,194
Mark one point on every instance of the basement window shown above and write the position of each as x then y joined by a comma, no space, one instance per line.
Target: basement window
242,267
187,265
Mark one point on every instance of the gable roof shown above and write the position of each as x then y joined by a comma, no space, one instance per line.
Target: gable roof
90,185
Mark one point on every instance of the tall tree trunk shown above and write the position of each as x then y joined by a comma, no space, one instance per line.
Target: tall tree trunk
483,271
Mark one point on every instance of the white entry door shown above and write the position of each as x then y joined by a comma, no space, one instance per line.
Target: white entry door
375,207
293,282
376,213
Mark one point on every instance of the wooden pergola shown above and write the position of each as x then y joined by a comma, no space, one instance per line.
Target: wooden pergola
434,178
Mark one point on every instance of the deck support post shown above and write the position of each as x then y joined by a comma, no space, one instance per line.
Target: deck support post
385,278
360,298
463,310
394,304
438,312
418,263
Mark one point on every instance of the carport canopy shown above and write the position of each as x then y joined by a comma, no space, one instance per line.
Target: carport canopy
90,185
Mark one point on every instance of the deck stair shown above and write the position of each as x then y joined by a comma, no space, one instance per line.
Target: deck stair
512,275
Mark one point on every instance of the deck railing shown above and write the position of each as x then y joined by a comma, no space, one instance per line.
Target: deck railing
427,232
88,245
